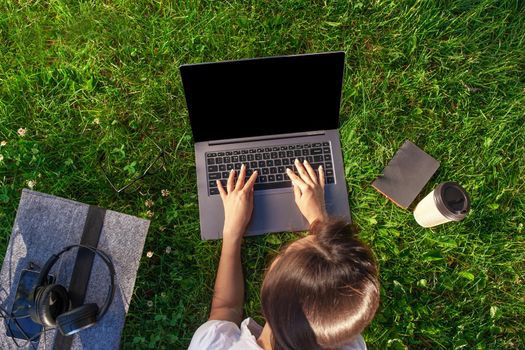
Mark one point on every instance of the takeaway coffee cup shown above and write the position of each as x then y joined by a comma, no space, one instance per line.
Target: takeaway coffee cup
447,202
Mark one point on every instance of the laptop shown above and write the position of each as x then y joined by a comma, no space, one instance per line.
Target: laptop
265,113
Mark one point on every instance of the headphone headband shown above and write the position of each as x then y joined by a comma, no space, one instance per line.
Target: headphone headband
107,260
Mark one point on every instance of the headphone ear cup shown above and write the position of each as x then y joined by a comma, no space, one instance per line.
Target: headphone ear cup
77,319
49,302
33,311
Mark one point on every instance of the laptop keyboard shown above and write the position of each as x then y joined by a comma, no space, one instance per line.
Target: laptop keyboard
270,162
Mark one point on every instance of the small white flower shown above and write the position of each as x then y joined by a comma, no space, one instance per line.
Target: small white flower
3,143
150,214
149,203
149,303
96,121
31,184
22,132
168,249
162,228
149,254
165,193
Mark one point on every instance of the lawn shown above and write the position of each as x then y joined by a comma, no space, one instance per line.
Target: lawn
92,78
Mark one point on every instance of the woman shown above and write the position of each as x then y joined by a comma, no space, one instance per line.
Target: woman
320,292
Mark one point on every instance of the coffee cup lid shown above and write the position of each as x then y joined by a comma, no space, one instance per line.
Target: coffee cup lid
452,200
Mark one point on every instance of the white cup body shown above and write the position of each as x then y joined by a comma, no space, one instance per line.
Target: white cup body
427,213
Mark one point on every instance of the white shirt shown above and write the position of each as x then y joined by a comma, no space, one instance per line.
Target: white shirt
222,335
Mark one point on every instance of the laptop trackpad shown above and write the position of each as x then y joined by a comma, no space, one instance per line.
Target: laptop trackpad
276,212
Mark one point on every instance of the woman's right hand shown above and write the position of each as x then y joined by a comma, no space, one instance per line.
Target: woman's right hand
237,199
308,191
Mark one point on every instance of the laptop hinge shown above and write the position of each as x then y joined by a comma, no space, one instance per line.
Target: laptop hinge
267,137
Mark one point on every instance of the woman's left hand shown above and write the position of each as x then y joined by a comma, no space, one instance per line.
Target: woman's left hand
237,199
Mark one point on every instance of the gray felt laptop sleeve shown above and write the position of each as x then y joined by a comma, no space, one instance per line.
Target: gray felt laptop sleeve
44,225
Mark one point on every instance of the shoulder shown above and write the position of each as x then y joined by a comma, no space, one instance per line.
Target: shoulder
215,334
218,335
357,344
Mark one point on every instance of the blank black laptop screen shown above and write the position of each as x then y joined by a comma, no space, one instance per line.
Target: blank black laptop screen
263,96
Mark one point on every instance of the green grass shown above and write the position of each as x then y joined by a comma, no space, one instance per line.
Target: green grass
448,75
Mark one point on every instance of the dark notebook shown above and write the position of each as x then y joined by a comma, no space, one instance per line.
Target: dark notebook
406,174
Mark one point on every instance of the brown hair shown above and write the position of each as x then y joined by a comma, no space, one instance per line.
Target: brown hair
323,293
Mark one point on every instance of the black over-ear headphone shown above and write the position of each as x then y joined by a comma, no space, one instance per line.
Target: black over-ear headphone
50,304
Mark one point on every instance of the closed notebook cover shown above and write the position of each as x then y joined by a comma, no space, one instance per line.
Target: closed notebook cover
406,174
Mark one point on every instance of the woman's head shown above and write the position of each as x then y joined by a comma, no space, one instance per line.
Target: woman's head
322,290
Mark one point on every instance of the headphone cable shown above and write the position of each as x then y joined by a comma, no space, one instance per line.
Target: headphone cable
9,316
